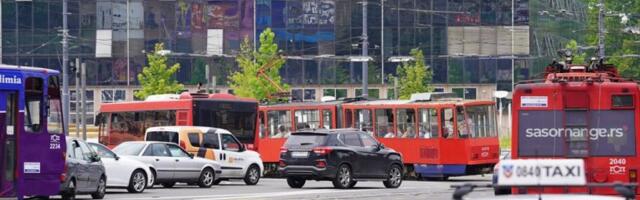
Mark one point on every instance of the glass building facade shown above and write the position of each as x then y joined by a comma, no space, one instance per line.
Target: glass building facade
465,42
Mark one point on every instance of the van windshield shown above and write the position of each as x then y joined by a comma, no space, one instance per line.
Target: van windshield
163,136
306,140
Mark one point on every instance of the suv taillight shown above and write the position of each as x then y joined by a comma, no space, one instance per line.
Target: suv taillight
283,149
633,176
322,151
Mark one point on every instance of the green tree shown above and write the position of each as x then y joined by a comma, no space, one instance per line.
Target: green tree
157,77
618,42
246,82
414,76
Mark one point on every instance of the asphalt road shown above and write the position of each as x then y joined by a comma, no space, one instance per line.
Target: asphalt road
278,189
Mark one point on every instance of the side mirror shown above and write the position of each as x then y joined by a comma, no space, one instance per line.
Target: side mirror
191,155
95,158
117,157
379,146
243,147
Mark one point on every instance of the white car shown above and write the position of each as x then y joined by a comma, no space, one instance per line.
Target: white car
171,164
124,172
216,144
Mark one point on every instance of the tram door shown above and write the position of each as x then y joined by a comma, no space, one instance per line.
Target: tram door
8,131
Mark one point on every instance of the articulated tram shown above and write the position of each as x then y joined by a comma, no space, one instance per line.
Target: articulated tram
439,136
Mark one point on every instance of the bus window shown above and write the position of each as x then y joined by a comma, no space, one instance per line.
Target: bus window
307,119
10,118
447,125
363,120
406,123
33,104
279,123
384,123
9,151
428,123
463,128
327,119
54,112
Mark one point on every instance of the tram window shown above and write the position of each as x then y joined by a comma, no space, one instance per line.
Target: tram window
406,123
279,123
622,101
447,126
307,119
363,120
54,112
463,125
327,120
384,123
480,121
33,105
348,118
263,132
428,123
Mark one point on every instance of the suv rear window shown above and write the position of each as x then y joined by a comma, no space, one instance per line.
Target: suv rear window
305,140
163,136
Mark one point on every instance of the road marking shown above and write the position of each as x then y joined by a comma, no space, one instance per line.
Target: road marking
262,195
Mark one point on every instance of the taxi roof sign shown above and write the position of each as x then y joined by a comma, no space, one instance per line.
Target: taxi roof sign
542,172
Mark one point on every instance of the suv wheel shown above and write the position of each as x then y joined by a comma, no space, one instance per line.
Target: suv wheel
343,179
70,194
102,189
253,175
206,178
168,184
394,179
137,182
295,182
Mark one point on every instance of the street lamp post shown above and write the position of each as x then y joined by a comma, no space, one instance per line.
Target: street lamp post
365,52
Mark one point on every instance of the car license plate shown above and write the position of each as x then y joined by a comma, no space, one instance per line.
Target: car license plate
299,154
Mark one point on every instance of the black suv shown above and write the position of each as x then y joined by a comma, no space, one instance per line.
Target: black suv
343,156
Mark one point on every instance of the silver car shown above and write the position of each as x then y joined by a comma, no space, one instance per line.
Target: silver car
170,163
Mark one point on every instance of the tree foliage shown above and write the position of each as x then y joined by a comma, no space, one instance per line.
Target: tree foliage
157,77
578,57
246,82
414,76
619,41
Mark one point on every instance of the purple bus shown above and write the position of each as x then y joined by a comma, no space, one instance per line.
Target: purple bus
32,139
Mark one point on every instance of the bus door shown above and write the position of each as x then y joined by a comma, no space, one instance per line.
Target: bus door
8,116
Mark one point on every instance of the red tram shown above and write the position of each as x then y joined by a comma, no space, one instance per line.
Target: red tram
439,136
580,111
